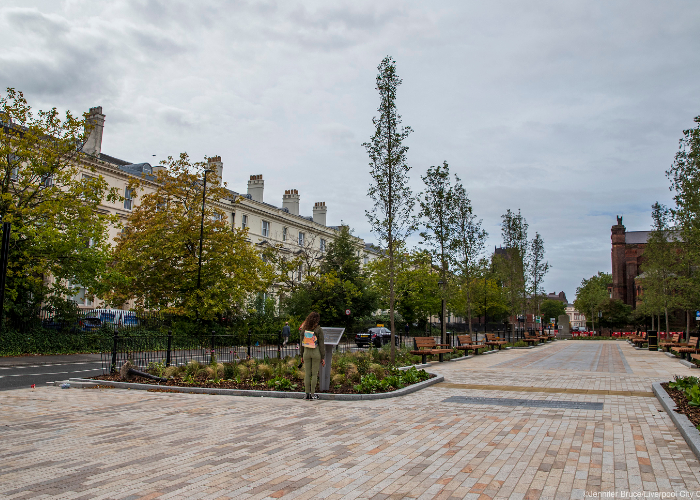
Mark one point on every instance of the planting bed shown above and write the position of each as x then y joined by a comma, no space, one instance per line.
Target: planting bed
352,373
682,404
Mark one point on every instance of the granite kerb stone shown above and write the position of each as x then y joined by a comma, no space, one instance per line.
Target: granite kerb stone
262,394
684,426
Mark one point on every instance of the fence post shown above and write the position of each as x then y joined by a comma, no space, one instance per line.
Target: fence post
115,339
248,343
211,344
279,344
170,347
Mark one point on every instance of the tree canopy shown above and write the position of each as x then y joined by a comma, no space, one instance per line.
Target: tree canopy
58,241
156,259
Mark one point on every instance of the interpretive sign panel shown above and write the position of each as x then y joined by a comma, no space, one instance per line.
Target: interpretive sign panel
331,338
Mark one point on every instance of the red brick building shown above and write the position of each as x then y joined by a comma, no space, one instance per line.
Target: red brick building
627,251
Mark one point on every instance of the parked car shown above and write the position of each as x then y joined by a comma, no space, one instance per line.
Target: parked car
90,324
377,336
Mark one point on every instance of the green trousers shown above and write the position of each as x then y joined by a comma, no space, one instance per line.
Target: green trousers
312,362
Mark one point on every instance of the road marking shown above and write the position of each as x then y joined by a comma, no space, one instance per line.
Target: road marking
52,373
57,364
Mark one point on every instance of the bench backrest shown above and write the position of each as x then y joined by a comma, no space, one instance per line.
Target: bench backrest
491,336
693,342
676,337
464,339
424,342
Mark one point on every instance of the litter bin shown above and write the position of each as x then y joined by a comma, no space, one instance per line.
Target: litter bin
653,340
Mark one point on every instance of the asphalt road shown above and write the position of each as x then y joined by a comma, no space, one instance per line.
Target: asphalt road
23,376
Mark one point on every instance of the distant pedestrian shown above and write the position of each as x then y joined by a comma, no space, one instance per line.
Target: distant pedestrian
285,332
312,351
406,328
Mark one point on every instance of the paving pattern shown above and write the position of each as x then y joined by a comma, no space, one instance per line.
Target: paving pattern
95,444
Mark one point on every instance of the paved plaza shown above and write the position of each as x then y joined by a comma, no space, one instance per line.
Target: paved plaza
565,420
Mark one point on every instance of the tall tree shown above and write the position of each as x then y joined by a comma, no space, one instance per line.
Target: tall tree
156,260
59,238
684,175
537,268
662,278
467,245
391,214
511,264
437,209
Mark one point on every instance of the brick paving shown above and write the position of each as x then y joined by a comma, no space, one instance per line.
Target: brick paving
95,444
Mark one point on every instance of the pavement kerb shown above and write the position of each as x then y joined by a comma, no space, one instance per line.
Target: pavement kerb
81,383
684,426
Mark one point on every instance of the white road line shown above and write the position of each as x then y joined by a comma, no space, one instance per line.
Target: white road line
39,366
52,373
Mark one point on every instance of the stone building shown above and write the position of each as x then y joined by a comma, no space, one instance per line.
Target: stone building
267,223
626,256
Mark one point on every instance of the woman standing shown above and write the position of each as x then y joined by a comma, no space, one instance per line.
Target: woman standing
312,351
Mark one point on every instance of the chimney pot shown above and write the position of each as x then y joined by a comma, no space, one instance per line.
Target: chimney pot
94,127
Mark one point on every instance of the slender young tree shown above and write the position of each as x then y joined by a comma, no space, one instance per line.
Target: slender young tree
437,209
391,214
537,267
467,245
513,264
684,175
663,266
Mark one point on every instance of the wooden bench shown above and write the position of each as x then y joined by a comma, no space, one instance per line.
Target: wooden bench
686,351
466,344
674,342
493,341
427,345
531,338
639,341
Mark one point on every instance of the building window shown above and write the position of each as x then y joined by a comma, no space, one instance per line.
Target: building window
323,245
127,198
233,219
299,273
301,238
47,180
216,217
87,177
266,229
284,234
244,221
366,260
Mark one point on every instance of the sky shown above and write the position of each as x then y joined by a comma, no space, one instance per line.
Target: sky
570,111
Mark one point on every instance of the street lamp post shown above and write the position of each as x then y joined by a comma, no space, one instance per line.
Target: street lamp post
201,230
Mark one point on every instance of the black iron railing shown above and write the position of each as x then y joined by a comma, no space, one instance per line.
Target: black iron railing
172,350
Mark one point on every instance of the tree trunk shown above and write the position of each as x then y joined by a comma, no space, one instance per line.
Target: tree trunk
687,324
666,314
469,318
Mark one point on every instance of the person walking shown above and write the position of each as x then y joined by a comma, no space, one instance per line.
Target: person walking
312,351
285,332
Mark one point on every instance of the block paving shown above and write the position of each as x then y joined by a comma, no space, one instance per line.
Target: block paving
113,443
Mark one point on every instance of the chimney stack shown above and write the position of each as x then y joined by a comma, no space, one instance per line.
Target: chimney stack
94,126
320,212
290,201
214,163
256,185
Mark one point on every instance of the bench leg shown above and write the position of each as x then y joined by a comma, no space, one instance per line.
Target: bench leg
424,358
440,357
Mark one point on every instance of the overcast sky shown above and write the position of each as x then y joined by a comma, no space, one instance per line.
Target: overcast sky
570,111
